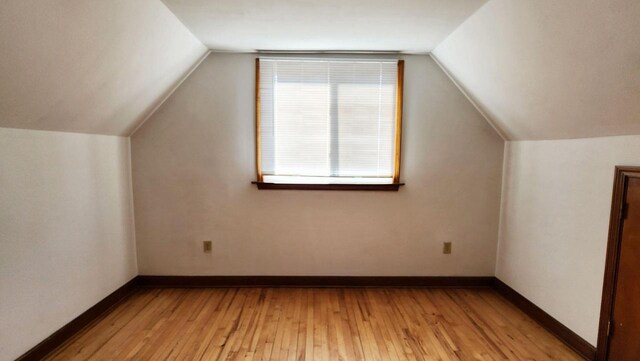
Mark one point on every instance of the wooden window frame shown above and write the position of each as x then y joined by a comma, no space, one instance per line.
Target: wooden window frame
395,186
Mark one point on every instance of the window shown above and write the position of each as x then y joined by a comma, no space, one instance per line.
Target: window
328,121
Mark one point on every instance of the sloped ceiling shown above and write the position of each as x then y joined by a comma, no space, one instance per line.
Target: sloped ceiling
543,69
90,66
248,25
549,69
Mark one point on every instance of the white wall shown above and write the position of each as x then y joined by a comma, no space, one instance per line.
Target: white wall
66,230
555,219
549,69
89,66
193,162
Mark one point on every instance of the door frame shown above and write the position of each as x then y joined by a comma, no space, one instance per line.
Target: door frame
622,175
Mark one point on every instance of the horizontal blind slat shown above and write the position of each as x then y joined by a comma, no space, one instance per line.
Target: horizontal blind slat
332,119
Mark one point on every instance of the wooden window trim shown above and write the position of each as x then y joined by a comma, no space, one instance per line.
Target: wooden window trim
391,187
399,100
258,165
367,187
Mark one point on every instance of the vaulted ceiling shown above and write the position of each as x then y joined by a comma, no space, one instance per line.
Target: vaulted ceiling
549,69
542,69
91,66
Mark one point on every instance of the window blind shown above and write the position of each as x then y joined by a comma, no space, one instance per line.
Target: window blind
327,120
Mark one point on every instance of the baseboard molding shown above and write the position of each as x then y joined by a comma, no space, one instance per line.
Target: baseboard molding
59,337
570,338
67,331
313,281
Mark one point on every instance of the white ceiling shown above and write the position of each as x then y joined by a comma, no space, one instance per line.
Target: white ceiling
549,69
379,25
89,66
542,69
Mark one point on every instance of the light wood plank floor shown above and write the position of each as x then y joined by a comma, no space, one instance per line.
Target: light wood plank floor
314,324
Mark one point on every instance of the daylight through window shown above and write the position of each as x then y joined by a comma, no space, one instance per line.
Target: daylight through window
328,121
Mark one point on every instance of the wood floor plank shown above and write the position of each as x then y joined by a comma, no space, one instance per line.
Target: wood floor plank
527,330
105,328
305,324
199,328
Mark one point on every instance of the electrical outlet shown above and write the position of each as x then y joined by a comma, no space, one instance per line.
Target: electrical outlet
446,249
206,246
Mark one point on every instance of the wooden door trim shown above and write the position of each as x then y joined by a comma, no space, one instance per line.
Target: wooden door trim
622,174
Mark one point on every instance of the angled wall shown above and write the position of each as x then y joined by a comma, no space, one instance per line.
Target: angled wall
544,71
193,162
66,230
555,223
89,66
549,69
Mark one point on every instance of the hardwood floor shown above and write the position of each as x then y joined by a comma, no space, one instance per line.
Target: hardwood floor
314,324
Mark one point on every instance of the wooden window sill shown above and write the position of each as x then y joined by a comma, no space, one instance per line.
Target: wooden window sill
393,187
